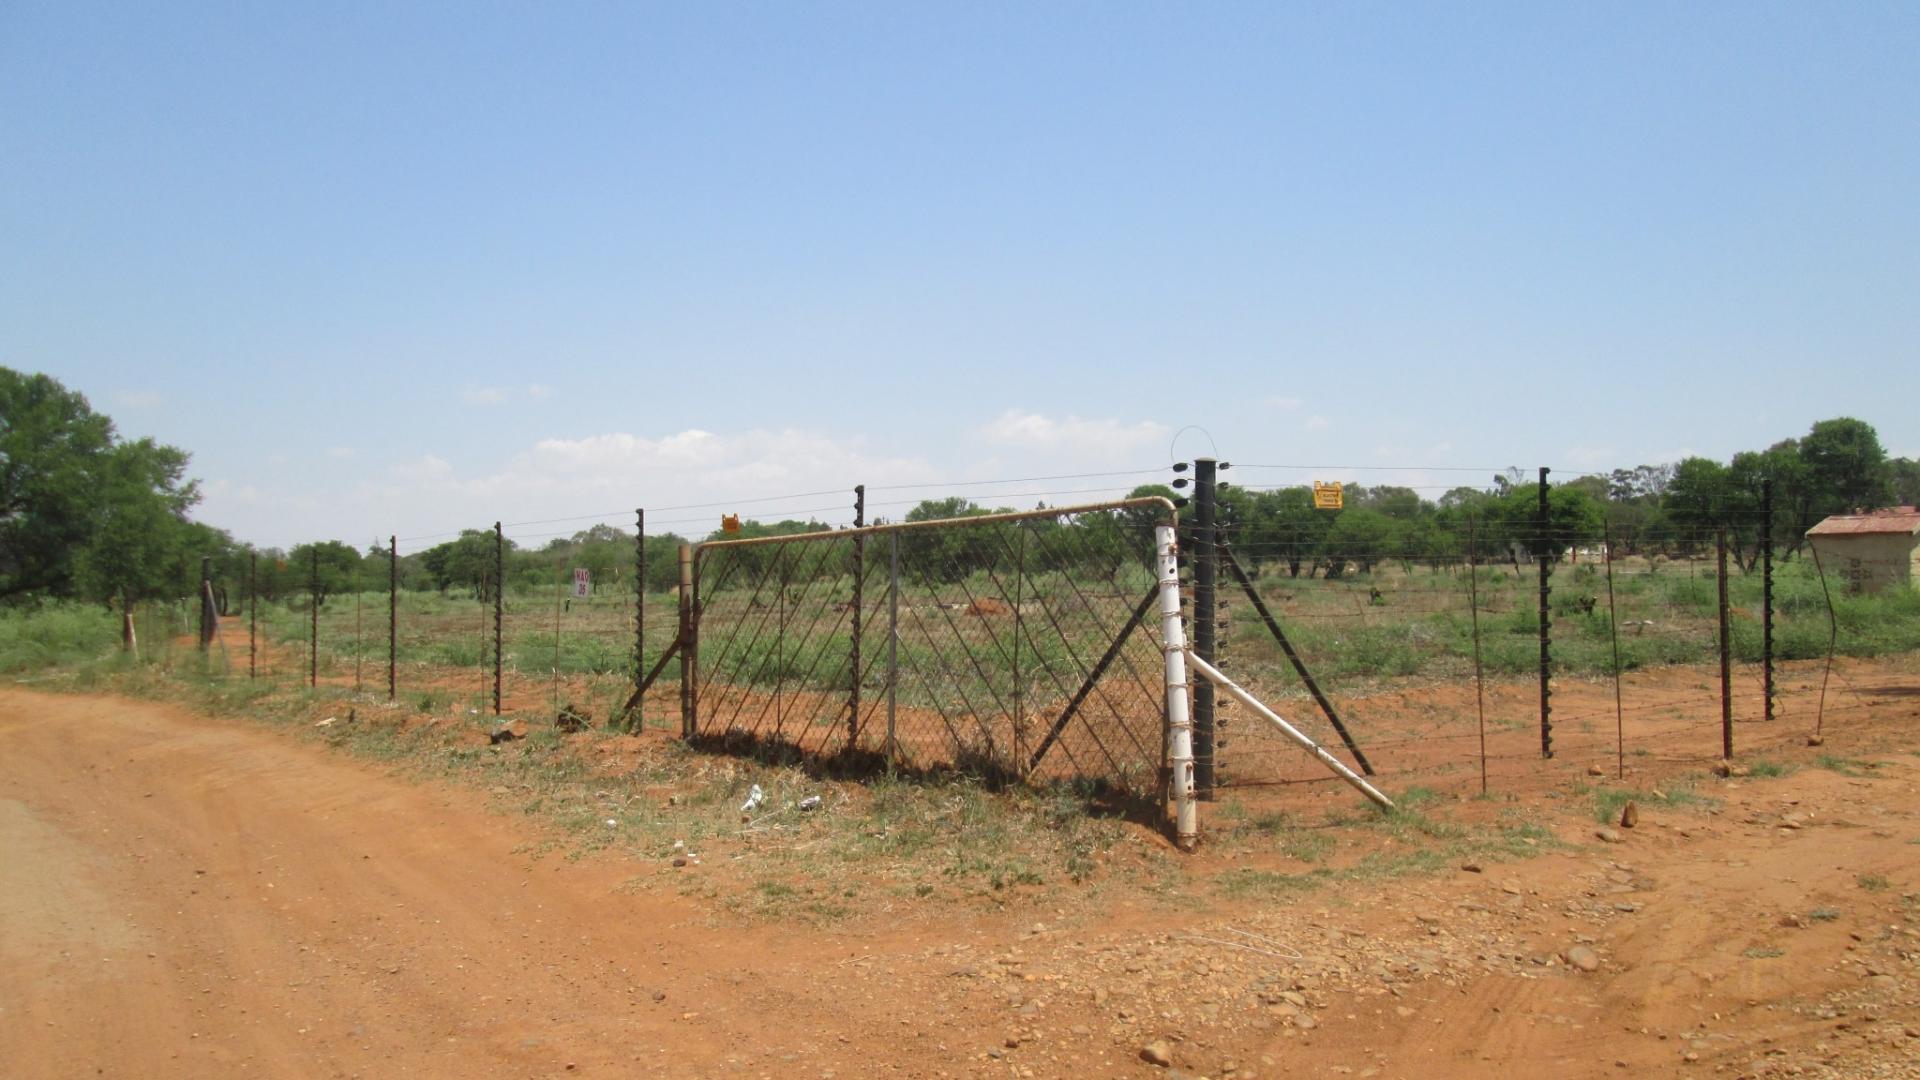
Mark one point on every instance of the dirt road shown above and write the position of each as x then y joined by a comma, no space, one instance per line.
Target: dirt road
188,897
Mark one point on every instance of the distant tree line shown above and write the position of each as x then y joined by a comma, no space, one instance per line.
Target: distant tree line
1676,510
85,513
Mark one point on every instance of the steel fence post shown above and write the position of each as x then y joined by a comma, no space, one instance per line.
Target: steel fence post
1766,590
393,617
1726,654
1205,574
499,606
1546,554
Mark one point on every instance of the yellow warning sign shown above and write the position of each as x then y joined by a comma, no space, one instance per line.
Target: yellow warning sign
1327,496
730,523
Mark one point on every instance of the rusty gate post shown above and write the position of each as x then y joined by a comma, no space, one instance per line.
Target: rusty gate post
859,613
313,631
639,612
499,605
393,617
1726,658
689,646
206,603
893,644
1613,632
1766,589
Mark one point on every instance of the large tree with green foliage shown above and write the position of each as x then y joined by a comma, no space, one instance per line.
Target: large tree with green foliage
139,542
1846,465
82,512
53,451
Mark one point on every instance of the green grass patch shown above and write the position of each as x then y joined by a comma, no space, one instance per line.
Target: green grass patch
1436,846
1609,802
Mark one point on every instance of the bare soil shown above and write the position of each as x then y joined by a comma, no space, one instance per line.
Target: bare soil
183,896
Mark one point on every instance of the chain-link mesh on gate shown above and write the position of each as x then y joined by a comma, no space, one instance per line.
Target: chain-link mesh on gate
1021,644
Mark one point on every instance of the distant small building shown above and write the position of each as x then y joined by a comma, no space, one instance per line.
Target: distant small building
1870,551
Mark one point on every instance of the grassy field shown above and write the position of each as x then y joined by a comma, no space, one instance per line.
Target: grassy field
1392,624
1395,623
948,836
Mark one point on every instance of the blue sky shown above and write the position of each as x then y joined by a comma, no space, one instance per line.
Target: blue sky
404,268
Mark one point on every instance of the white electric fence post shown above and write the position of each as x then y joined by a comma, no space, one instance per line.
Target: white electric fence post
1173,640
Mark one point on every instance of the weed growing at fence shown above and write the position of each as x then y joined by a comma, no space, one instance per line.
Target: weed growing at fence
63,633
1435,847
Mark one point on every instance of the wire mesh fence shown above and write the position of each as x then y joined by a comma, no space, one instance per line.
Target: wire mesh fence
1466,641
1006,643
1434,658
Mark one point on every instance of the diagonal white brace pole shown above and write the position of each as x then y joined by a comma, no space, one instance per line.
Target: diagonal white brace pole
1239,694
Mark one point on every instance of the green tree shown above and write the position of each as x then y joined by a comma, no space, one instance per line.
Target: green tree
1904,476
1846,465
1362,537
53,450
1701,499
1283,526
467,562
138,528
325,568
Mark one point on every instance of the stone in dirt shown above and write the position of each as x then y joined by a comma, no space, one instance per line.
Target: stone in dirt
1158,1053
1611,836
1630,815
1583,958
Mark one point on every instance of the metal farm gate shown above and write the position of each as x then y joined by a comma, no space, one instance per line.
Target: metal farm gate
1019,644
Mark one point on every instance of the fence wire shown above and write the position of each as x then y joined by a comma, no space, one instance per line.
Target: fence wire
1008,643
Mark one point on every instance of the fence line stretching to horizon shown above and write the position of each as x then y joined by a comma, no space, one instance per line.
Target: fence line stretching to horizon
1355,648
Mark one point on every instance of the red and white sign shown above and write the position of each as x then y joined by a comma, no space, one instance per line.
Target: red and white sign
582,584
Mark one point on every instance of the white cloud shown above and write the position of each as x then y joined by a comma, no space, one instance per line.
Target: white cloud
568,482
773,474
1037,431
1317,423
1284,403
428,467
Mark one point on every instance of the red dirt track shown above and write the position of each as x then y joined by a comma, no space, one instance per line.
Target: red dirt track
190,897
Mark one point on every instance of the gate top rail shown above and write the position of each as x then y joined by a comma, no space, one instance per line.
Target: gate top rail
1145,501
